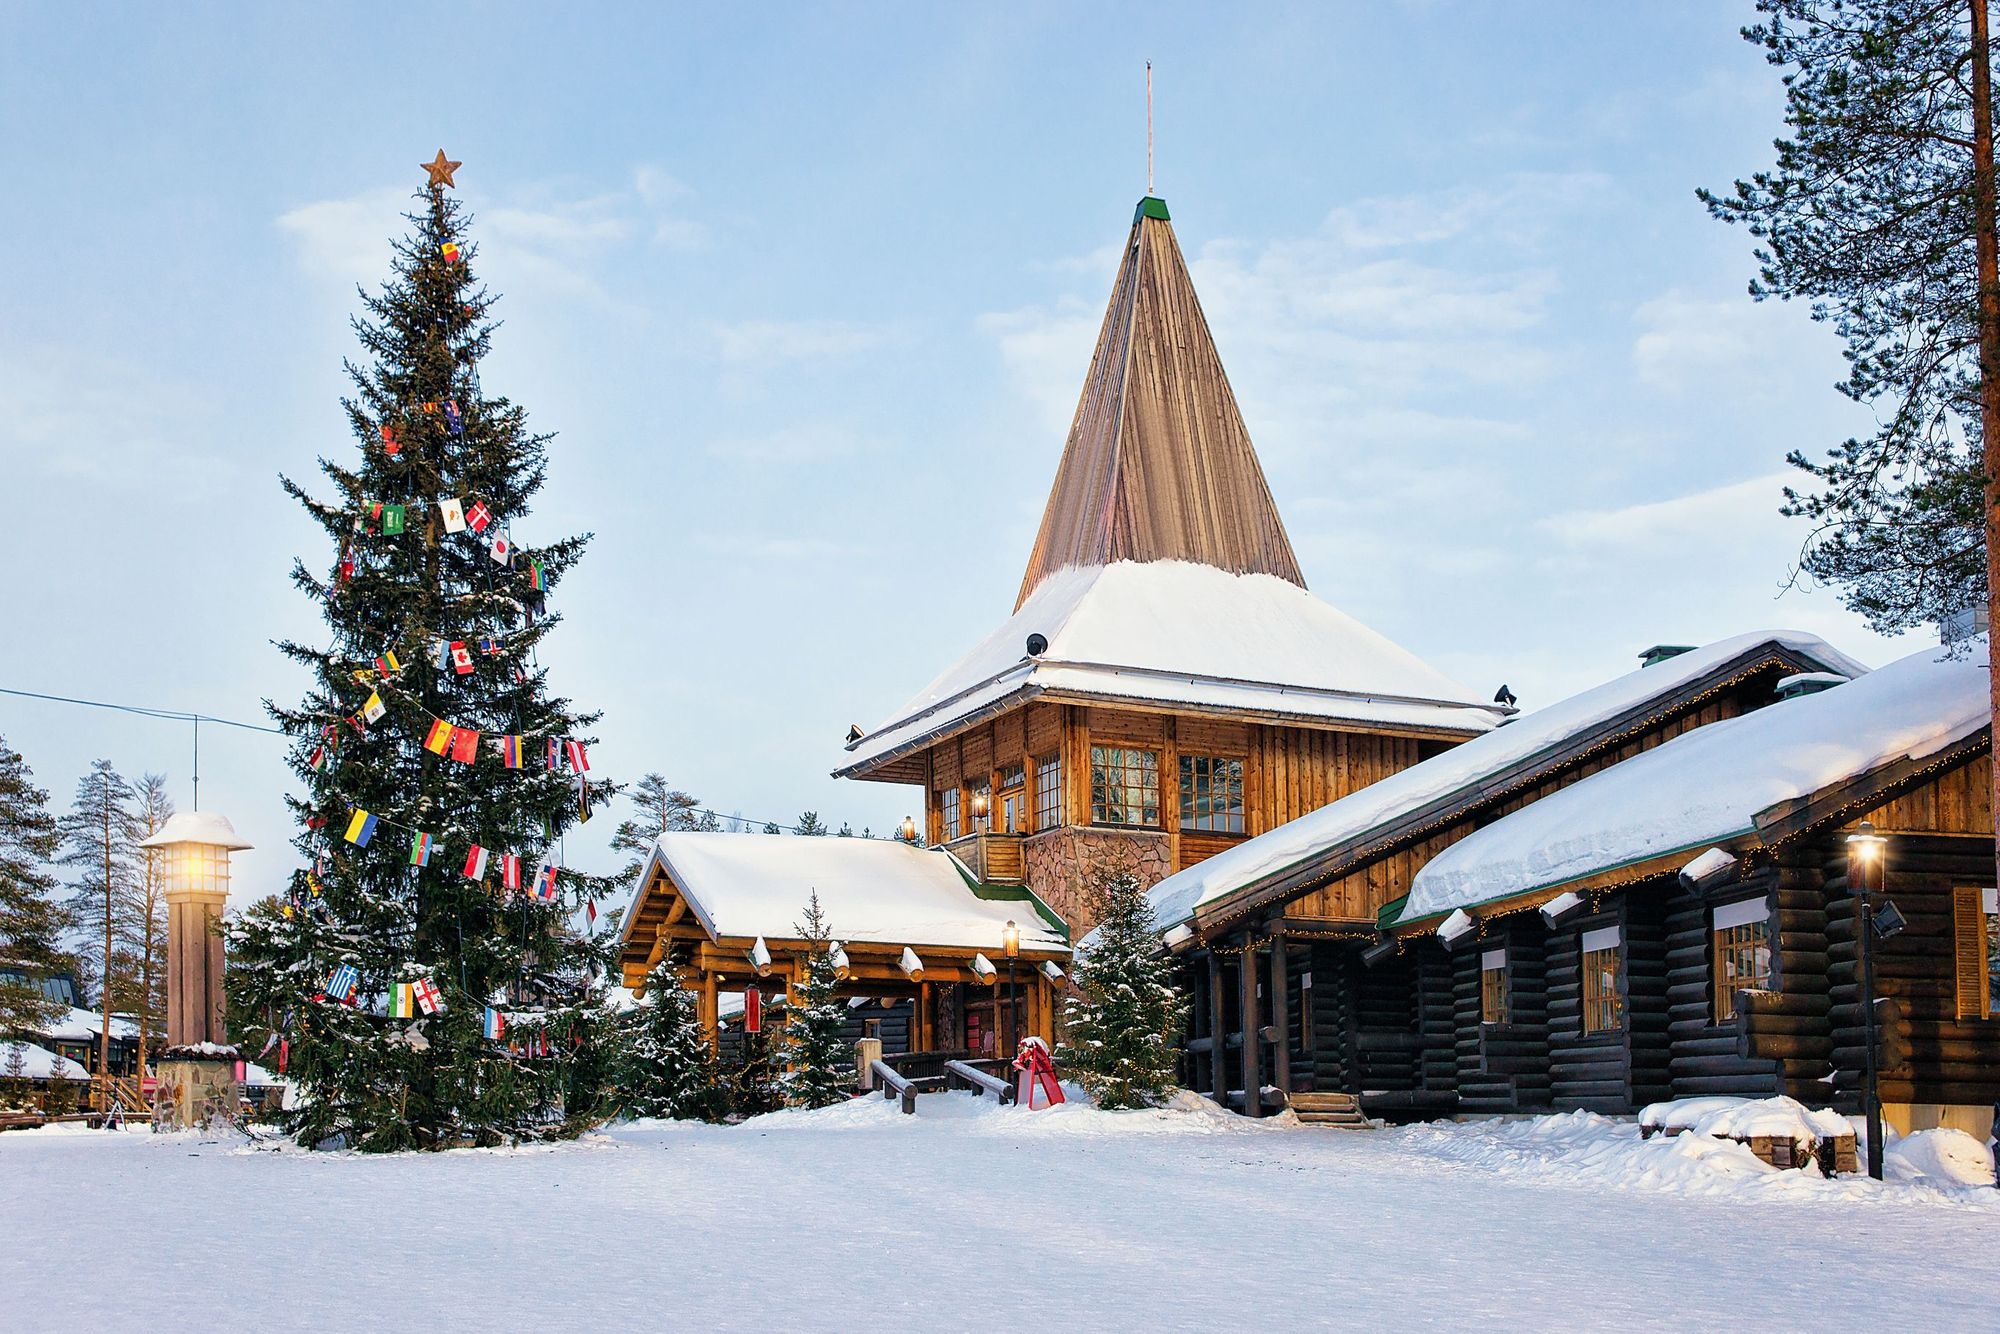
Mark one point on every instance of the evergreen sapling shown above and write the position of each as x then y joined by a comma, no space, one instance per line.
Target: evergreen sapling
820,1067
1121,1024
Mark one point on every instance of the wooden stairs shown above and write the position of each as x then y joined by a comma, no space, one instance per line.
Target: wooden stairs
1339,1110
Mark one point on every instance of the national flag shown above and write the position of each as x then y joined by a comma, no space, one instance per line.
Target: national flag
374,520
387,664
361,828
590,911
478,516
454,515
312,884
554,754
430,406
284,1054
450,252
545,883
269,1043
502,550
461,658
536,579
464,744
402,1003
427,995
578,761
494,1026
390,445
510,751
582,799
315,822
392,519
346,568
452,417
420,849
489,646
361,676
343,982
355,721
318,760
438,740
475,863
510,870
374,708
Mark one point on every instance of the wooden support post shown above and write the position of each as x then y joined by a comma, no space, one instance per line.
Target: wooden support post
1253,1054
1218,1041
1281,1018
711,1025
922,1018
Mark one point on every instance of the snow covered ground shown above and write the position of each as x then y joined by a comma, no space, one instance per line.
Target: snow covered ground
964,1213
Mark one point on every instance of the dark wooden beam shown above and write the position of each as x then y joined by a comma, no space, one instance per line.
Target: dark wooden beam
1218,1051
1281,1016
1253,1053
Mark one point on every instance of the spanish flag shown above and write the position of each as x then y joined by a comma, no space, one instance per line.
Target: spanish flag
439,740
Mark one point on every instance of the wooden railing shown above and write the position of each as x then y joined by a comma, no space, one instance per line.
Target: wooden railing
963,1074
123,1090
994,859
896,1086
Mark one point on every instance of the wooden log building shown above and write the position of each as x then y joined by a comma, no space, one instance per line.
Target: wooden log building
1166,688
914,925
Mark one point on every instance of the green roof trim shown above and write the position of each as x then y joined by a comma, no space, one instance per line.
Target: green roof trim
1022,894
1151,207
1385,916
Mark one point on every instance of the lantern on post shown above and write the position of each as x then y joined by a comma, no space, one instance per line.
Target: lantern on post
197,1069
1010,940
1864,874
908,833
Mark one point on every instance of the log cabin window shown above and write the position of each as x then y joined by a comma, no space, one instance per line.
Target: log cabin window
1013,799
948,812
1603,981
1496,995
1741,959
1975,921
1124,786
1048,791
1212,793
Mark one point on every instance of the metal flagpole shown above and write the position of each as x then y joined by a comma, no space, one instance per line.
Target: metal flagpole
1149,127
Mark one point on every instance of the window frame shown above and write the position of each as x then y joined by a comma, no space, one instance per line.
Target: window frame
1735,942
1496,989
1048,805
1130,761
1198,783
1601,1008
948,812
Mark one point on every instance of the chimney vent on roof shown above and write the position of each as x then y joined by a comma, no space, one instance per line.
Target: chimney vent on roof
1808,683
1661,652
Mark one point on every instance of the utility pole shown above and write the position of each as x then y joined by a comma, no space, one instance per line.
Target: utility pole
104,978
1986,246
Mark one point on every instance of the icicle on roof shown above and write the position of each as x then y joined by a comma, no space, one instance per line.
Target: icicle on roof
1158,465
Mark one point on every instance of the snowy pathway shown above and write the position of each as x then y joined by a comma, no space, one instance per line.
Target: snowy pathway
840,1218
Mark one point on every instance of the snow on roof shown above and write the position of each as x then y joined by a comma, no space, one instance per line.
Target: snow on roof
1709,785
83,1026
256,1076
1181,633
197,827
871,889
41,1062
1516,746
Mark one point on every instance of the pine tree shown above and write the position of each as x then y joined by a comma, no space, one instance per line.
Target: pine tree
100,839
751,1082
820,1067
658,809
143,930
669,1069
1121,1024
435,618
31,919
810,824
771,827
14,1085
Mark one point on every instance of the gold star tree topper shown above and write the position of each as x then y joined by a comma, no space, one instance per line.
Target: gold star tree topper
441,169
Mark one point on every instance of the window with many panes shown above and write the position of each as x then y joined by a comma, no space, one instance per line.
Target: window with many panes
1013,813
1742,953
1124,785
1603,981
1212,793
1048,791
1496,995
948,812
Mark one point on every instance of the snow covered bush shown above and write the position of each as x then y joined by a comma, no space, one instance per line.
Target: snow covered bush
1120,1026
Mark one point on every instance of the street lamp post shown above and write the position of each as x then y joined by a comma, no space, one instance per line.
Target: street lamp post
1864,872
1010,939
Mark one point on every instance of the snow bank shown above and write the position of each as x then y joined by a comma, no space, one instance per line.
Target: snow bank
1746,1118
41,1062
1519,746
1942,1157
1708,786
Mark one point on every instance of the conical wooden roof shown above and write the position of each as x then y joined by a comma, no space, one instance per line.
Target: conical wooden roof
1158,465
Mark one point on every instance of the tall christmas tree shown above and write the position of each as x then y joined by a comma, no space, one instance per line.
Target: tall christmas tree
819,1066
1122,1021
425,981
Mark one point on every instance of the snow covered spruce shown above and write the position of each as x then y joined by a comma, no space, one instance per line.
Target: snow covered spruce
1122,1023
430,754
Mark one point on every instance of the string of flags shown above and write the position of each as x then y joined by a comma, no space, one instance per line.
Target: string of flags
543,886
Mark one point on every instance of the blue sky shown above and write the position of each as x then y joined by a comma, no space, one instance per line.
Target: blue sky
808,295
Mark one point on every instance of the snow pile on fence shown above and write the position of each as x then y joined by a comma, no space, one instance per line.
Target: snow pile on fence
1745,1118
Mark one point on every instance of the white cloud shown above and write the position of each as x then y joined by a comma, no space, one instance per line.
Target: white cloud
67,413
1721,515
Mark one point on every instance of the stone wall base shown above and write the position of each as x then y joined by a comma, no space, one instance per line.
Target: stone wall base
1067,867
195,1094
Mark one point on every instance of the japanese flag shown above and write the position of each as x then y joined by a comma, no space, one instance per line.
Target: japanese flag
454,515
502,550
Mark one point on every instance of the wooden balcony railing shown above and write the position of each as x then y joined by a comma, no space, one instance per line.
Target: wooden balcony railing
995,859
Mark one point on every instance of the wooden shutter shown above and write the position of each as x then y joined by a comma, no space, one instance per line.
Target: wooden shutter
1968,926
